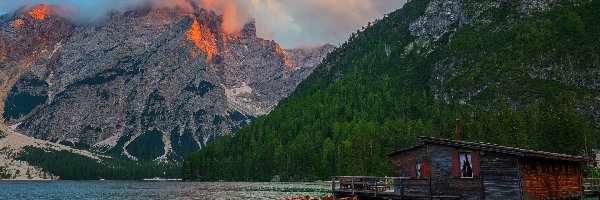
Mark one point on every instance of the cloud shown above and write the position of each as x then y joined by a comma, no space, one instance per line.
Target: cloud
235,12
293,23
88,9
308,22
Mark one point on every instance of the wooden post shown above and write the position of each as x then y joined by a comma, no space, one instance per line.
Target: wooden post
457,130
353,186
376,187
399,187
333,184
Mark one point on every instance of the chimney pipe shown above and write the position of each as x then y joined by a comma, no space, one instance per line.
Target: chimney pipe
457,130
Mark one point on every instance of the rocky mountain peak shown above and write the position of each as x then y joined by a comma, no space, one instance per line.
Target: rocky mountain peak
35,26
40,12
249,29
150,84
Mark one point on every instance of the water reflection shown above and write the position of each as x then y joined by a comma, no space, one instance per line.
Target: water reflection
161,190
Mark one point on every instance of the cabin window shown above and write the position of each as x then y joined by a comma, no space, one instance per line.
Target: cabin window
419,170
466,165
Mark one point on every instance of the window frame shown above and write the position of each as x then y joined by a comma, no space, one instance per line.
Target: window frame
468,157
419,170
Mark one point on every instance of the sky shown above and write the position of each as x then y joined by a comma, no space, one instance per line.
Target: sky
293,23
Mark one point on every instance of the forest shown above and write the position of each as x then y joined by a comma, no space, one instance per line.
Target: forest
362,103
71,166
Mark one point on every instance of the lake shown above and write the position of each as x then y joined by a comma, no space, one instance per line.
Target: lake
162,190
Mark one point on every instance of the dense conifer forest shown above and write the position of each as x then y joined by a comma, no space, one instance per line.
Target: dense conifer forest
362,103
70,166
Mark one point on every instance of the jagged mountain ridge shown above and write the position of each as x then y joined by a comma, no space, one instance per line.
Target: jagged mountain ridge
152,84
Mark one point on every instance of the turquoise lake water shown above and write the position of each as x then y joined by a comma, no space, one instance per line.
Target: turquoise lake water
161,190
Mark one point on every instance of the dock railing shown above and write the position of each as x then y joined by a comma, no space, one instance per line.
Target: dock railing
591,185
366,185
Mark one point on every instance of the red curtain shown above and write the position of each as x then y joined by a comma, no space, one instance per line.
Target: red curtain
475,158
455,165
425,169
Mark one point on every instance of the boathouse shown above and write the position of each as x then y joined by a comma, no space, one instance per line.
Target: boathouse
456,169
474,170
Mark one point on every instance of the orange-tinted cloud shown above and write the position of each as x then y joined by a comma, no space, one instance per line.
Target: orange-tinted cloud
235,13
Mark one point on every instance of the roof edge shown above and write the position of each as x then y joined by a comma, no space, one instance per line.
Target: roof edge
404,150
497,148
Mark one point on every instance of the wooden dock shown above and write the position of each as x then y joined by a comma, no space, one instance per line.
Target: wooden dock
363,186
370,187
591,187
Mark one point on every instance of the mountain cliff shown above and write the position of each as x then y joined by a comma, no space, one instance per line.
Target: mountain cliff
149,84
517,73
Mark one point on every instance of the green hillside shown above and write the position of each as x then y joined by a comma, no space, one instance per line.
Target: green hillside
516,75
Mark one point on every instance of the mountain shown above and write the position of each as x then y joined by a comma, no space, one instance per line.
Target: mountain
517,73
147,84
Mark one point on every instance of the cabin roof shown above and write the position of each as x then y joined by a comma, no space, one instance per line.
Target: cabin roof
492,148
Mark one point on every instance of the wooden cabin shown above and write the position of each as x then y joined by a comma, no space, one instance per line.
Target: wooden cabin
456,169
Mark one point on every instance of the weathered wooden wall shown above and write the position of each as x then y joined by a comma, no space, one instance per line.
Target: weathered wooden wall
442,178
404,161
500,176
548,179
414,188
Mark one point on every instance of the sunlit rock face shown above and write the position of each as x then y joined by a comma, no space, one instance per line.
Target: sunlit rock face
151,84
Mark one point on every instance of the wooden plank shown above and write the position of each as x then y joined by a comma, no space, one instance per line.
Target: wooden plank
332,183
442,179
551,179
363,186
500,176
